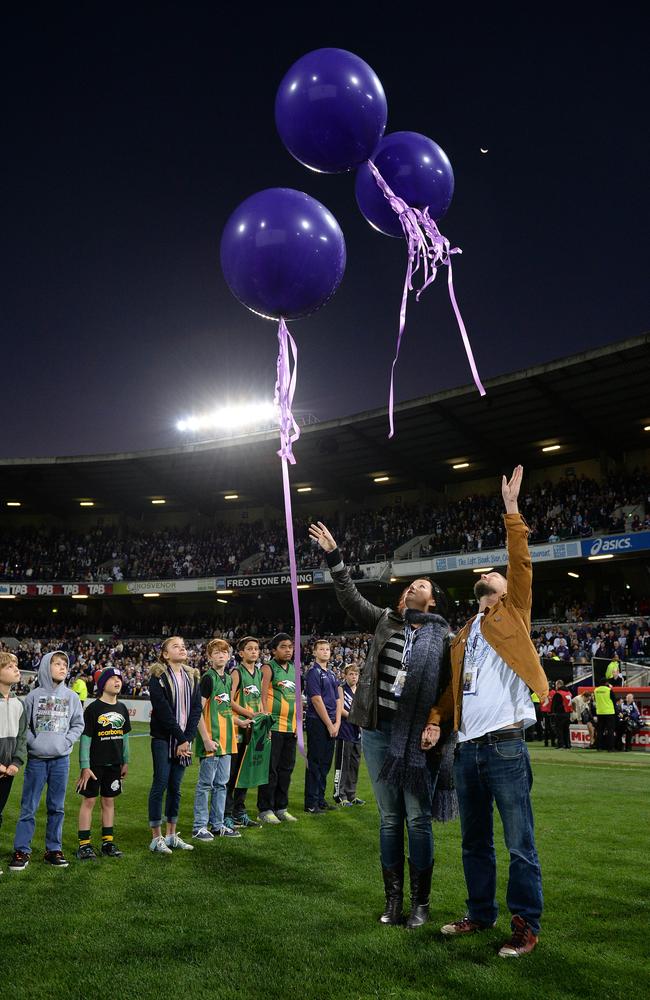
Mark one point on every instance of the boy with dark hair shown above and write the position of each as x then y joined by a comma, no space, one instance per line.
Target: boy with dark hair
216,741
104,762
13,728
54,724
348,745
324,704
247,704
279,699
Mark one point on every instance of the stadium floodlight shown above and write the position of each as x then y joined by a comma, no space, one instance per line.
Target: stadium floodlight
552,447
231,496
576,576
14,503
304,489
79,597
231,418
151,595
647,427
7,597
225,591
483,569
381,479
609,555
86,503
461,465
221,600
158,501
304,586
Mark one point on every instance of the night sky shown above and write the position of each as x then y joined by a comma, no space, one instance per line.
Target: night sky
128,139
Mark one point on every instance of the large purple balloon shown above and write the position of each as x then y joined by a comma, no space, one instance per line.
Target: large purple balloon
416,169
282,253
330,110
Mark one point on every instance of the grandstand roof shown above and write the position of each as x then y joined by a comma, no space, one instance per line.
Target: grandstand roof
594,403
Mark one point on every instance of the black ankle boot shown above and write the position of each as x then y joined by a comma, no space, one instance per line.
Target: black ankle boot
420,892
394,888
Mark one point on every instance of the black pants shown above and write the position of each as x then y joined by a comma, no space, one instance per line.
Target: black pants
606,732
346,769
562,723
5,788
235,797
275,795
539,722
320,753
549,731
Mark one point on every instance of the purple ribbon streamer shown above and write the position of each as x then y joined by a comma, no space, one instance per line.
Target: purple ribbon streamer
285,388
428,249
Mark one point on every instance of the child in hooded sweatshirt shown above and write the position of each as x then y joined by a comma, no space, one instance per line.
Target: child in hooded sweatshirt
13,728
54,724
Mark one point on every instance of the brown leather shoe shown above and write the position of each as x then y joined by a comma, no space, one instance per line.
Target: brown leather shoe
464,926
522,941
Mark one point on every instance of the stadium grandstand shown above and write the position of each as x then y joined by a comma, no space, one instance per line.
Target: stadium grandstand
123,548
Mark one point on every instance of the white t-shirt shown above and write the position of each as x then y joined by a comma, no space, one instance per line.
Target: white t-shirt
494,697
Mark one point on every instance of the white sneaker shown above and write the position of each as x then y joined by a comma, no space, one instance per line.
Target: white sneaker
177,844
269,817
158,846
285,816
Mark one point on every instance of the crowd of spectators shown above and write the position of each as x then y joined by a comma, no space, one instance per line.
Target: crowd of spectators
570,508
574,645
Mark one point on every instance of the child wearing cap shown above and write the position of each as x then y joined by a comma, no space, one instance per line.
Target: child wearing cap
104,762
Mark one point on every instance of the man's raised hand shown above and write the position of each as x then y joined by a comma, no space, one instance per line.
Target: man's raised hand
510,490
321,535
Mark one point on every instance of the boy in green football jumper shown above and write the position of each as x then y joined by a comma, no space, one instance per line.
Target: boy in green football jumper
104,762
279,699
216,741
247,703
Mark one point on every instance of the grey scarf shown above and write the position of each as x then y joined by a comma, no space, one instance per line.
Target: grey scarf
406,764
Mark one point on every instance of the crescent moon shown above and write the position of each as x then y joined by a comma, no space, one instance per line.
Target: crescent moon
484,150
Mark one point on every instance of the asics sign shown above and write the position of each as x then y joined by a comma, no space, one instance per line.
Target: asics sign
610,545
616,544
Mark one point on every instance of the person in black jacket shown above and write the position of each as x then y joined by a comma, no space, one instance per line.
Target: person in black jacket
175,713
407,666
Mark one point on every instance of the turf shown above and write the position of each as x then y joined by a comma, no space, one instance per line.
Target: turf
291,911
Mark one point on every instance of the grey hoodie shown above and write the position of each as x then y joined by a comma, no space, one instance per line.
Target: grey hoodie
54,715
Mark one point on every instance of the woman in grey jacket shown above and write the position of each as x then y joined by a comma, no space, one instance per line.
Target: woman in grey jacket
406,667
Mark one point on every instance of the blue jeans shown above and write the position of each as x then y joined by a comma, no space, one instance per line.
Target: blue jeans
39,772
396,807
484,774
320,754
210,795
167,776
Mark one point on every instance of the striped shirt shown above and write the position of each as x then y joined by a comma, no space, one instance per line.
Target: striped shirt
390,663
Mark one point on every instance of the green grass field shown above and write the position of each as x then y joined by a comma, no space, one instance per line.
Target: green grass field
291,911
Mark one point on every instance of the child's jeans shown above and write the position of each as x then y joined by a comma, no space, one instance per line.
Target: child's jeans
39,772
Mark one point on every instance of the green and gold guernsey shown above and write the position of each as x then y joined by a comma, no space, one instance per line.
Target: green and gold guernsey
249,691
281,697
218,716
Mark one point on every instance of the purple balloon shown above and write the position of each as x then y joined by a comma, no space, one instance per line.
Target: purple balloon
417,170
282,253
330,110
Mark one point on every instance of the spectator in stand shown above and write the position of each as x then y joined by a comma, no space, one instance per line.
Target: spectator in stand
561,708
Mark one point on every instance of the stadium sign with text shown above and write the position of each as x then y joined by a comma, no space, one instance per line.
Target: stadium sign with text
57,589
616,544
486,557
262,580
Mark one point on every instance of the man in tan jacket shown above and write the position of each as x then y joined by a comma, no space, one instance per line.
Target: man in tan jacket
494,668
